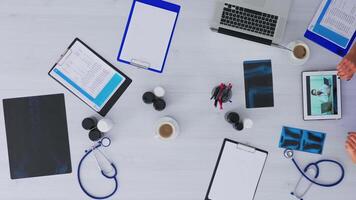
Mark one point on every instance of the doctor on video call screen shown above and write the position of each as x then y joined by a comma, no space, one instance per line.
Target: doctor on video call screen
322,95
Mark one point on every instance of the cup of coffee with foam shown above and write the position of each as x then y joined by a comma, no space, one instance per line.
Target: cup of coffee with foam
300,52
166,128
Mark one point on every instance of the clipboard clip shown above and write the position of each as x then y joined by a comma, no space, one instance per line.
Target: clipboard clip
140,64
246,148
64,57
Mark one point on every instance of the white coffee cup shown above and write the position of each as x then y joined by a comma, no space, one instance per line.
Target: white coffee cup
300,52
166,128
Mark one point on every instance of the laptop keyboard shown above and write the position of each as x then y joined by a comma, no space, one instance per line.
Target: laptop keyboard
249,20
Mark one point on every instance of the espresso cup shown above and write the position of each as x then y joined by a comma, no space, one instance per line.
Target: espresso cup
166,128
300,52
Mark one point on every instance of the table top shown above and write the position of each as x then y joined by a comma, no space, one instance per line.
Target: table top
34,33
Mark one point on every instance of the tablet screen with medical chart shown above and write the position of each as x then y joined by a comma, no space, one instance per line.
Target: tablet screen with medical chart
334,25
90,77
321,95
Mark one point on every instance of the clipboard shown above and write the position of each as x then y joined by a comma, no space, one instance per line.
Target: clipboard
338,42
237,172
78,54
148,34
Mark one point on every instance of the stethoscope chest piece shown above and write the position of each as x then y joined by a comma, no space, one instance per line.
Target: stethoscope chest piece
288,153
105,142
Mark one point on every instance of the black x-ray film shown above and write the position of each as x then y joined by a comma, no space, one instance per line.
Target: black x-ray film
37,136
258,84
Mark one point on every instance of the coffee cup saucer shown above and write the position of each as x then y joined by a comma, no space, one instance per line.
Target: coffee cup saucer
171,121
293,59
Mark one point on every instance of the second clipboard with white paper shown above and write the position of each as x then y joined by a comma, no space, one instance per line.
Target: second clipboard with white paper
148,35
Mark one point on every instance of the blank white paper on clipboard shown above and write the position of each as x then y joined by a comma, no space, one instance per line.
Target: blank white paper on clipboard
238,172
148,35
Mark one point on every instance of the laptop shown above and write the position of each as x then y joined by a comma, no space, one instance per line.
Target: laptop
262,21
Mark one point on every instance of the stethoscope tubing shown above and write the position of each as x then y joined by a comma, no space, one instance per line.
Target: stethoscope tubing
317,172
87,152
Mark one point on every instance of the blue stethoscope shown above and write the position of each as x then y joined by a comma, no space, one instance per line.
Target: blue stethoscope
288,153
104,142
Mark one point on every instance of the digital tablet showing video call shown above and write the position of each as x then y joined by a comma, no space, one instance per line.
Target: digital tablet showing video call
321,95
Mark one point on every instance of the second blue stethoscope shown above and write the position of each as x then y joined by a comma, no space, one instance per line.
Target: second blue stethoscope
104,142
288,153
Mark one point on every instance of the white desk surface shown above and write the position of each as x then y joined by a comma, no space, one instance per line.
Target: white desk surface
34,33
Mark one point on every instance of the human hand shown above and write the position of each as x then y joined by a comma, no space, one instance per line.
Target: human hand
347,67
351,145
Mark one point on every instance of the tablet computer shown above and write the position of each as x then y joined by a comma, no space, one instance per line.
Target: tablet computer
334,26
90,77
321,95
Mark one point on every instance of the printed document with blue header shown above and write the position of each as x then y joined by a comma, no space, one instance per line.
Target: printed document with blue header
334,25
148,34
87,75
